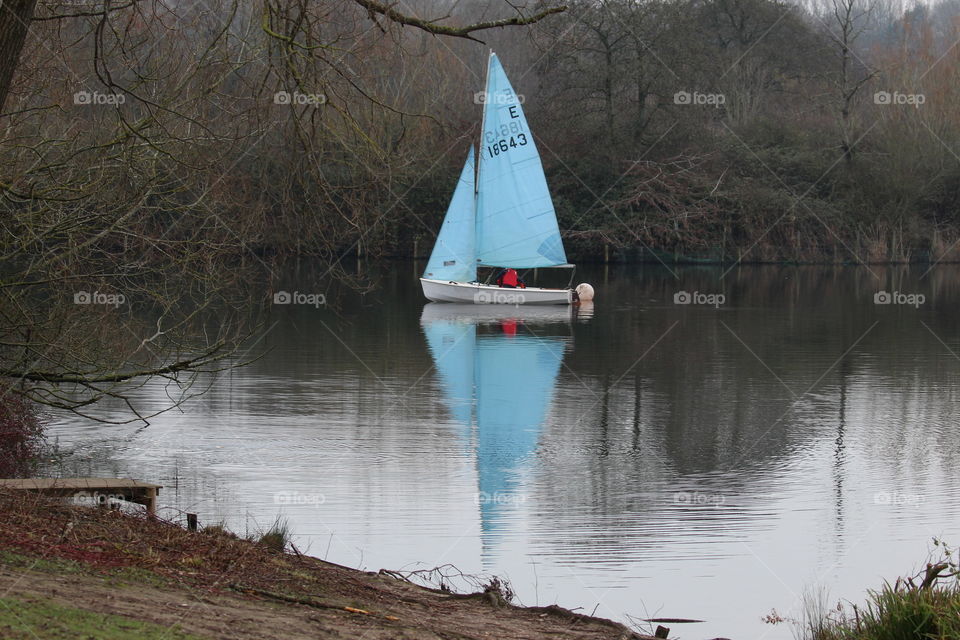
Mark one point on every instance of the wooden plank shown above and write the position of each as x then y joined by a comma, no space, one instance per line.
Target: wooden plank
41,484
143,493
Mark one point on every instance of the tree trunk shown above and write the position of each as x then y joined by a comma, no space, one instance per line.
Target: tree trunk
15,17
608,106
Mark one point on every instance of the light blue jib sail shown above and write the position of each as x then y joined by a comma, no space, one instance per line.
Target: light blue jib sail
453,253
516,221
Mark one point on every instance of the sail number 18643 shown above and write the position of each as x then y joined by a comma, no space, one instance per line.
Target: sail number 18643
510,135
503,145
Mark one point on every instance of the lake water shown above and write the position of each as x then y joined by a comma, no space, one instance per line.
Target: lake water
710,460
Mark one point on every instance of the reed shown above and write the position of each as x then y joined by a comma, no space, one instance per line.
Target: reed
925,606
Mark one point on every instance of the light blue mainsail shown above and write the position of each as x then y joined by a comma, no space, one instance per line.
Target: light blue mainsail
453,253
516,221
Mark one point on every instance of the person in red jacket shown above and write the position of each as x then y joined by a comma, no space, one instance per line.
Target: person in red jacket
508,278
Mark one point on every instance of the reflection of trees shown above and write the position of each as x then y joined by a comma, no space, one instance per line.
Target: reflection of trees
700,413
699,399
713,415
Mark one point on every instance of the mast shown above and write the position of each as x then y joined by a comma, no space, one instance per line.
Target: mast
483,124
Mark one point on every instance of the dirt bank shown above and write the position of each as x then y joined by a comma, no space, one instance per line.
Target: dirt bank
57,558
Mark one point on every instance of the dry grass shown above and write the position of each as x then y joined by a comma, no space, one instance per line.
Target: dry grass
102,539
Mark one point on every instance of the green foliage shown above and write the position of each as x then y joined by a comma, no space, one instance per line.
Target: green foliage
902,614
924,607
22,619
49,565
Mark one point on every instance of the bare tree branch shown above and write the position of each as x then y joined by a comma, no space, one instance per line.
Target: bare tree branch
379,8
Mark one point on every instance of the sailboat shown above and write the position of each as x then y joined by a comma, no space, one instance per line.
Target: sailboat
501,213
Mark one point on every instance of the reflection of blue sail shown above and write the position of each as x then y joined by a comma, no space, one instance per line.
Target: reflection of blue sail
452,345
515,377
502,382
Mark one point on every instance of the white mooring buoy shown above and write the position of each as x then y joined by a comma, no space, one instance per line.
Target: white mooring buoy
585,292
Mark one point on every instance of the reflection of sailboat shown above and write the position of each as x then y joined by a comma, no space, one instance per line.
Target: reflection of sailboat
484,315
498,382
504,218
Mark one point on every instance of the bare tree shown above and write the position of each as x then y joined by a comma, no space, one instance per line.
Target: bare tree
155,161
849,19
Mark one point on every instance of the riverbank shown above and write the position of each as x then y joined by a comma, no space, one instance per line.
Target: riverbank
75,572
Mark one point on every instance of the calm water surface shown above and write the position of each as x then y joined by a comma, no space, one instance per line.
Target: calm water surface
646,458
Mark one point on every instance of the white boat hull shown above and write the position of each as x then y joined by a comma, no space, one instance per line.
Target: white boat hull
475,293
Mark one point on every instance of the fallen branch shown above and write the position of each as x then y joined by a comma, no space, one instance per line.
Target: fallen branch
309,602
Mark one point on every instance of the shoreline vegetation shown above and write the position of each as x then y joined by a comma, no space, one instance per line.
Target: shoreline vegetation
641,256
81,572
925,606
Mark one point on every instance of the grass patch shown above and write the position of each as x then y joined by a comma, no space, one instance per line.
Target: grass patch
26,620
895,613
120,576
48,565
219,529
277,538
922,607
137,576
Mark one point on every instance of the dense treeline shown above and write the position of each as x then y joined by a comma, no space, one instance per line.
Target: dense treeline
730,129
752,130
